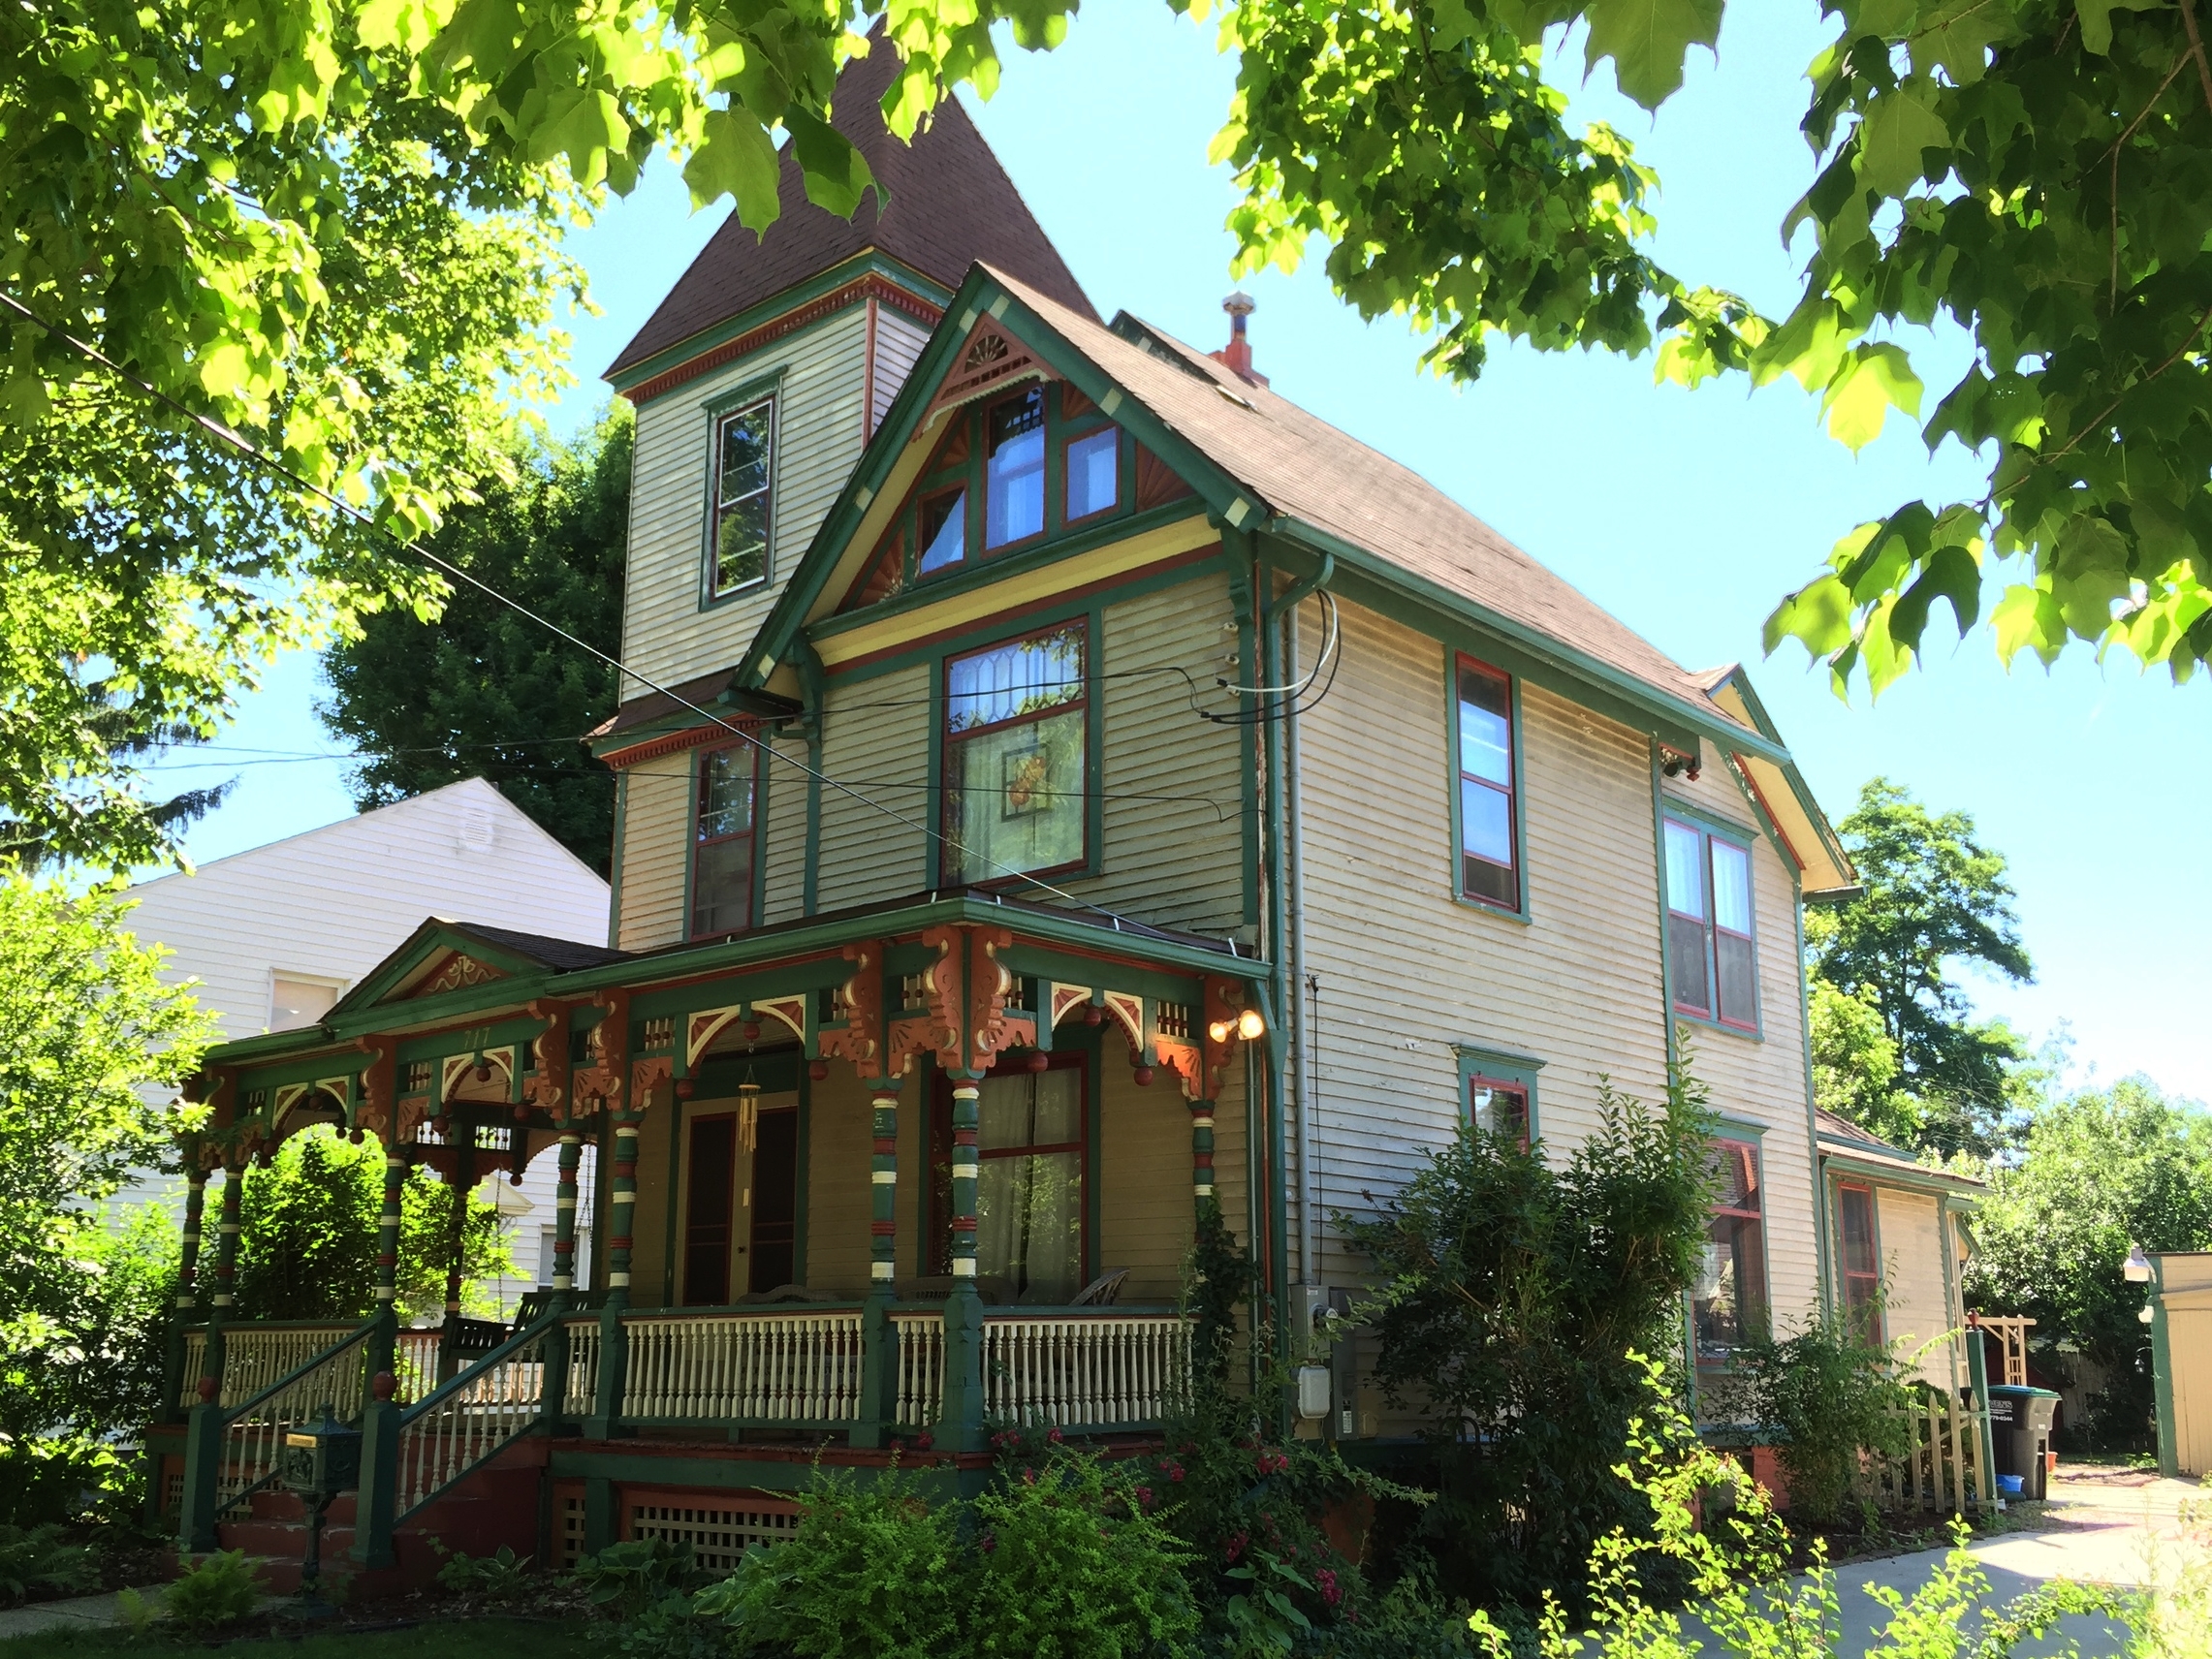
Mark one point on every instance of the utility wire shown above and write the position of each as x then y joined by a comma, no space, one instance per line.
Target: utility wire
252,452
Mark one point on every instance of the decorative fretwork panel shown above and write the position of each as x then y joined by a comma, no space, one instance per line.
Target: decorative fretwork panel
719,1531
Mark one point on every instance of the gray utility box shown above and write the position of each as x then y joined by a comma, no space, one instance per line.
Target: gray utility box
2020,1428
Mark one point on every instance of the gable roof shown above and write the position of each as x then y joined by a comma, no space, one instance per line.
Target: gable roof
945,203
501,952
1840,1137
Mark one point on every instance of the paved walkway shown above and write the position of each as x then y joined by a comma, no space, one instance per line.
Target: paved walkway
2100,1527
82,1612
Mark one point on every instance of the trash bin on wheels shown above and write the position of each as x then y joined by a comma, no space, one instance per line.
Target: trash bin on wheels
2020,1432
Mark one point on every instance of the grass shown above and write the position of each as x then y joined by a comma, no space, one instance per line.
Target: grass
476,1638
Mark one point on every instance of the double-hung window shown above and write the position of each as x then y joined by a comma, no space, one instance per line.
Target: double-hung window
1862,1264
1712,957
1014,469
1488,807
1728,1302
744,441
1032,1152
723,840
1015,761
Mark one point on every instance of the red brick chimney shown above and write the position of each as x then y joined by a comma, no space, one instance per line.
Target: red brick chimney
1237,356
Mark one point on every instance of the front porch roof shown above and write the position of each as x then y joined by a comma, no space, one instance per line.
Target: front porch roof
416,990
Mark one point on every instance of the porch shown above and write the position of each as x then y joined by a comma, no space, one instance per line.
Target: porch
843,1205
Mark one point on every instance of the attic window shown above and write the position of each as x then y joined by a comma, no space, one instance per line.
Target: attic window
1014,470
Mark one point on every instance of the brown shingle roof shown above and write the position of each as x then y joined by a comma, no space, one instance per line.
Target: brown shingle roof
951,204
1299,465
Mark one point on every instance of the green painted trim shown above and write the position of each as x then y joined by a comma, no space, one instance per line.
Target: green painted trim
1504,1066
1930,1182
1029,961
984,629
867,263
2161,1375
1665,941
424,942
803,1161
614,872
762,388
1522,910
1733,1124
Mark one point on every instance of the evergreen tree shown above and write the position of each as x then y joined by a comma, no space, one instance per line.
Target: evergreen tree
484,692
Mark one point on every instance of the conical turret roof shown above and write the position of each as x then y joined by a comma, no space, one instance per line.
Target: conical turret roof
951,204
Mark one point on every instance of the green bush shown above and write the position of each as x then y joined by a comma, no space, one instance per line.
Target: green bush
1076,1564
500,1577
42,1560
65,1478
1831,1394
213,1591
623,1579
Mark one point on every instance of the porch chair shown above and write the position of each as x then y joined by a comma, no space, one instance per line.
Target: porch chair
1102,1291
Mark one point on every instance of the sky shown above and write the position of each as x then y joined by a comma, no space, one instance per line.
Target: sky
1686,514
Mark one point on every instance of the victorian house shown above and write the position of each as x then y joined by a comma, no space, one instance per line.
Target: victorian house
1064,783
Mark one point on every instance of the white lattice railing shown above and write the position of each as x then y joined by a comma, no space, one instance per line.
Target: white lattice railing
581,1395
1084,1370
920,1340
471,1417
753,1367
255,1357
253,1434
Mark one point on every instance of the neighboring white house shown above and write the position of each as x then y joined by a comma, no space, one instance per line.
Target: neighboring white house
277,934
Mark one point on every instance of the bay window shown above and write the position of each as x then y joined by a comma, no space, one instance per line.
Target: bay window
723,840
1712,955
1015,758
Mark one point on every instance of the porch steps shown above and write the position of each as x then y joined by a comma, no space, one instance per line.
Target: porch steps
493,1505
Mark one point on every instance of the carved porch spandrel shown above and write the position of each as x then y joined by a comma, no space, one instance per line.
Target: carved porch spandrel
600,1084
548,1088
860,1039
704,1027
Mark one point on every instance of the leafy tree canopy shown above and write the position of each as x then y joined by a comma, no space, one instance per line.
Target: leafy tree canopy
2100,1171
1896,1047
86,1021
485,693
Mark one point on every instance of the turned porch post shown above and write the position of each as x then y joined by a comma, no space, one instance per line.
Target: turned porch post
614,1345
187,1291
463,1181
203,1429
960,1427
879,1344
384,1339
226,1279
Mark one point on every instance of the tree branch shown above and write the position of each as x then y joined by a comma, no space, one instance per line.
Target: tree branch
2197,48
2097,420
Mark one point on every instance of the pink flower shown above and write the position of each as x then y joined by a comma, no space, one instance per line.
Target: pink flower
1326,1577
1236,1548
923,1442
990,1542
1028,1477
1054,1437
1144,1497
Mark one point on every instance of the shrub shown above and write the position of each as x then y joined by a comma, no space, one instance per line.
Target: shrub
1831,1394
623,1579
215,1590
1512,1291
41,1559
871,1572
65,1478
500,1577
1076,1564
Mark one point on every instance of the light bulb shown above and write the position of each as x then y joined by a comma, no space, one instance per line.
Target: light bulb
1250,1026
1220,1030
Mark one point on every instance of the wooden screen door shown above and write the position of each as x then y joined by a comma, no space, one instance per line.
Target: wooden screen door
776,1200
710,1210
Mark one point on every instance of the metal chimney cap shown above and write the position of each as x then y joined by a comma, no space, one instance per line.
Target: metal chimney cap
1240,305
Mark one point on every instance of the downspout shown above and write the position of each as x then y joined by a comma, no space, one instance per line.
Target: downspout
810,692
1290,974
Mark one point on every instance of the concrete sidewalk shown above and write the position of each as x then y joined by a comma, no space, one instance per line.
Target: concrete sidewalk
2100,1527
82,1612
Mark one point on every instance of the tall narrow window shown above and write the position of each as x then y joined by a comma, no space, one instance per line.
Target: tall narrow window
1015,765
1728,1302
722,851
743,440
774,1201
1031,1151
1862,1264
1712,955
1093,473
1486,787
1014,469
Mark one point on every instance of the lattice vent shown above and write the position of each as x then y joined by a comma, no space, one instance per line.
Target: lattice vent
569,1545
717,1536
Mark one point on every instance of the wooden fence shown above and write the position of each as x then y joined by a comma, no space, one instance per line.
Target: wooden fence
1941,1472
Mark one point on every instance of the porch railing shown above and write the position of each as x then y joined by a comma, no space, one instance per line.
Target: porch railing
257,1355
253,1433
465,1419
1083,1370
920,1336
794,1367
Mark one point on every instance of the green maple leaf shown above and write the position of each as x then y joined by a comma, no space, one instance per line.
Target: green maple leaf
1899,125
1874,380
737,158
1648,40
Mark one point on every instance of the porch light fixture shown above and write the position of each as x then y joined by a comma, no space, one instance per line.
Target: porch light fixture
2137,1269
1248,1025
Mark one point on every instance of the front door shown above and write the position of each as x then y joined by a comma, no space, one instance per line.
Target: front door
710,1209
776,1200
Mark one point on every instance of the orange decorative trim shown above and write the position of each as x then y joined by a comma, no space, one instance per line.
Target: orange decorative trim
1181,1058
991,1030
377,1081
994,356
860,1039
1222,1002
647,1075
870,287
676,742
548,1087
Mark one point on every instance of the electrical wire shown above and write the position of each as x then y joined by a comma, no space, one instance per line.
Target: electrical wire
259,457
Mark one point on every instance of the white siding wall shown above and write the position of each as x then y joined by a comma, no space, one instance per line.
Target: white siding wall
899,342
1917,1309
666,634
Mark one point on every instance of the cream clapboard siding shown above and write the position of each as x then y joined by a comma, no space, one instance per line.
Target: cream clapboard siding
1918,1308
784,830
1406,971
666,634
1763,1078
656,840
1146,1202
899,343
876,739
1169,778
839,1145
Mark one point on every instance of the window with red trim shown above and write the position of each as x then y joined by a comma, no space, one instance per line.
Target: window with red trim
723,840
1017,720
1498,1108
1488,807
1033,1166
1712,953
1861,1260
1728,1302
